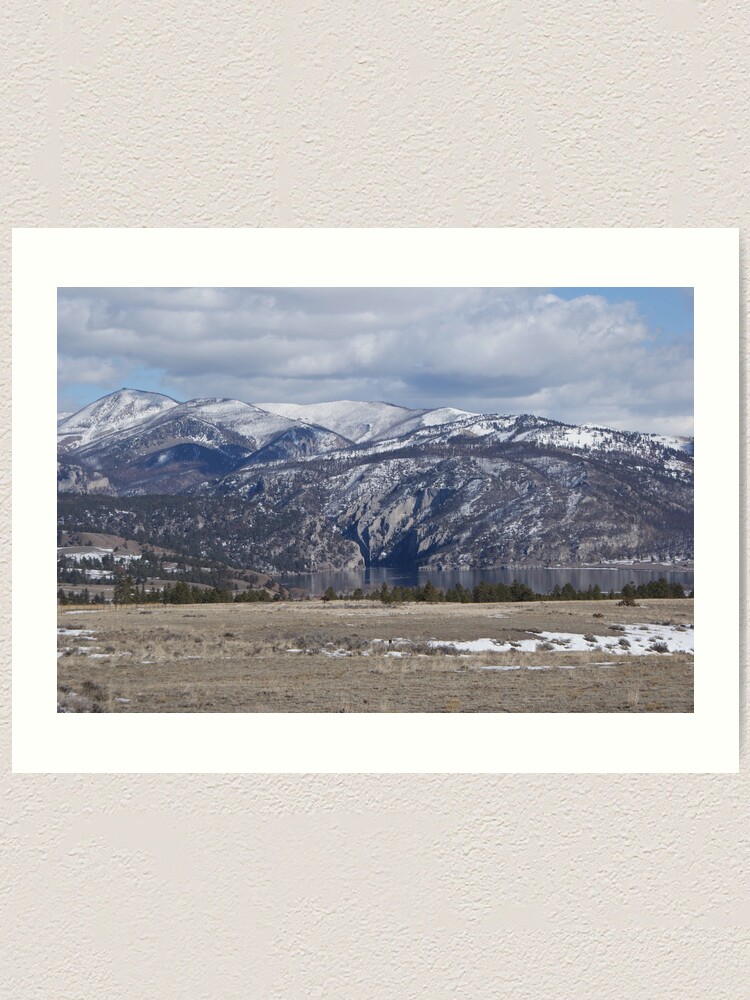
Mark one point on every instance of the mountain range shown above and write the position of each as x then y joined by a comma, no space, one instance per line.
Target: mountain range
344,484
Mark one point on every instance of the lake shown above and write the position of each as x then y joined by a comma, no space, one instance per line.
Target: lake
541,580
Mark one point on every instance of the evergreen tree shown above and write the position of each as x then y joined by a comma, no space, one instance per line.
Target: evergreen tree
521,592
123,593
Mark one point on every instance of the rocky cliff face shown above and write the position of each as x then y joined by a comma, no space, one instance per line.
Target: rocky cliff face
523,504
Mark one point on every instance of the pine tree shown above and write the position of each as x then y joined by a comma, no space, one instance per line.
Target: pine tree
123,593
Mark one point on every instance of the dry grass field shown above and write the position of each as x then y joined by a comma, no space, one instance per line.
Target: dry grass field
366,657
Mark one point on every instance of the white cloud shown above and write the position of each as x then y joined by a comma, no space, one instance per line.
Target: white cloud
508,350
87,370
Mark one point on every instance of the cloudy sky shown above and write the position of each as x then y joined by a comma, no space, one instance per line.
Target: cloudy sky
622,357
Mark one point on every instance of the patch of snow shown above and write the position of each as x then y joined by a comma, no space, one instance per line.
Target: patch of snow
678,639
77,553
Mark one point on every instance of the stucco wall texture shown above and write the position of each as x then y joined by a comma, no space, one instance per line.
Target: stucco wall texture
325,114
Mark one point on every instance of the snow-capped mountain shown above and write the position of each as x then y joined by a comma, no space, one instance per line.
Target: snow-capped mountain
142,446
360,422
348,483
112,413
495,428
133,441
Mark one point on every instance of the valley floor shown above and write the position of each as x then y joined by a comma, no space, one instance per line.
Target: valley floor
366,657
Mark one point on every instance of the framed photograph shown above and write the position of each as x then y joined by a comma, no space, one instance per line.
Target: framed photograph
375,500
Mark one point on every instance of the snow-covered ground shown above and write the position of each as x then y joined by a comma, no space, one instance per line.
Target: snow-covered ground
77,553
631,640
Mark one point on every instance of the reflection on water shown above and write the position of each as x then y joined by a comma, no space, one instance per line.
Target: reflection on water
540,580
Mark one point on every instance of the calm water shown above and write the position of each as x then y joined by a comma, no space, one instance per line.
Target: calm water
540,580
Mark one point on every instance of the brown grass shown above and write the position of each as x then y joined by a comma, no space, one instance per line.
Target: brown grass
235,658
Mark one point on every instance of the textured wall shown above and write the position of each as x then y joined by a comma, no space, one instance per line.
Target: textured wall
320,113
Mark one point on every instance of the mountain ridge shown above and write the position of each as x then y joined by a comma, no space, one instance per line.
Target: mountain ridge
440,487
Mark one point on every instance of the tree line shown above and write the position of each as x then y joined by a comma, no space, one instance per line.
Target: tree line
128,591
502,593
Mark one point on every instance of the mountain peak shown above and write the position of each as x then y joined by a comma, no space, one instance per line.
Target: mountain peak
113,412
